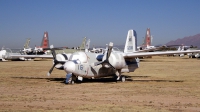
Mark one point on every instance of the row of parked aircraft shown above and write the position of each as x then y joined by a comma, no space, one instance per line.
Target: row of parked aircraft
27,50
85,64
145,47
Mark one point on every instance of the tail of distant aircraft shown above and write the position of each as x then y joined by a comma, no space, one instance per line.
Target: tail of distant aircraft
45,40
26,45
179,48
83,43
131,42
87,46
148,38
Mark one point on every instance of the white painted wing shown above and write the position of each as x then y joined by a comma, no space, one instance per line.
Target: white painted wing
28,56
140,54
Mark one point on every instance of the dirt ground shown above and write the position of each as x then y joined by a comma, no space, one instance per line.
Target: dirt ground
160,84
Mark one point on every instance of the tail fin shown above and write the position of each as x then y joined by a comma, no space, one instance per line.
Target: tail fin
131,42
148,38
45,40
183,48
179,48
87,46
83,43
26,45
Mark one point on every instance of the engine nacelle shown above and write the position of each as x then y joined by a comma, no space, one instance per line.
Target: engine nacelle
116,60
79,56
197,55
182,55
2,53
63,57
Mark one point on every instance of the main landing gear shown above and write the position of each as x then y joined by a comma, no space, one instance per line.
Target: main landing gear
120,77
70,78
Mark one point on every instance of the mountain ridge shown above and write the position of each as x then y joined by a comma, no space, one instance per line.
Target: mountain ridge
187,41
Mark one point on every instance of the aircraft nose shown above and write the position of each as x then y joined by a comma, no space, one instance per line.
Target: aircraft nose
69,67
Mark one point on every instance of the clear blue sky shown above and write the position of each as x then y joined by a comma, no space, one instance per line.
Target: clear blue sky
103,21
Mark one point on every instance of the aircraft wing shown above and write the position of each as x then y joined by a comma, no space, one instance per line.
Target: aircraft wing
140,54
28,56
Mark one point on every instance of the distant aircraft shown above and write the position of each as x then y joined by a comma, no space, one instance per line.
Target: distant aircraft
43,51
183,48
44,44
193,55
180,48
147,42
112,63
2,52
28,51
25,50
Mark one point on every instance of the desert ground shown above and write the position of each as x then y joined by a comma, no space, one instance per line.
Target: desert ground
161,84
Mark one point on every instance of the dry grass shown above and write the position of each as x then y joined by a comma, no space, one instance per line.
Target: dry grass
160,84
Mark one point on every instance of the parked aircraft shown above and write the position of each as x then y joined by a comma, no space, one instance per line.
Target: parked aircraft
2,52
147,42
27,50
81,64
180,48
44,44
25,56
8,52
193,55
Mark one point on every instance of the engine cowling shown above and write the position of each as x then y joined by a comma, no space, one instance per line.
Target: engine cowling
197,55
116,60
79,56
182,55
62,57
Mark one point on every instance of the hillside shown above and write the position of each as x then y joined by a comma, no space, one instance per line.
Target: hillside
188,41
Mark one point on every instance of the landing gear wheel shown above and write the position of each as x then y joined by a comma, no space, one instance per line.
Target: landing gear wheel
72,82
123,79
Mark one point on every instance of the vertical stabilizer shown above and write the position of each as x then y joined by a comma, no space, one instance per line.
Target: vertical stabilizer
179,48
26,45
131,42
45,40
147,39
87,46
83,43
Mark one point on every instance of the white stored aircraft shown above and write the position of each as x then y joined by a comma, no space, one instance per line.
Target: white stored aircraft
2,52
26,50
44,44
112,63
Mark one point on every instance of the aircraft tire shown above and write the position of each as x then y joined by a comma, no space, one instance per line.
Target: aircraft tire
72,82
123,79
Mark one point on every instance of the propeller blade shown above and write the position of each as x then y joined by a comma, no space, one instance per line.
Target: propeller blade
53,54
49,73
109,50
111,66
106,61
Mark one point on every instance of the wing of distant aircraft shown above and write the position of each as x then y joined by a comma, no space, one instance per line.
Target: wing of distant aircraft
27,56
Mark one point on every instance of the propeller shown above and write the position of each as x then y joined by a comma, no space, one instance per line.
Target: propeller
106,61
55,61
